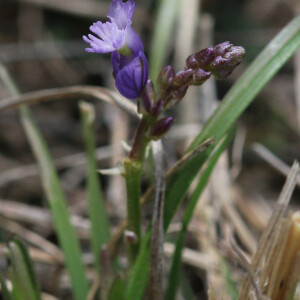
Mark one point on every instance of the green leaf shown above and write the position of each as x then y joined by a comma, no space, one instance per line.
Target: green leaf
164,23
56,199
100,227
180,183
117,290
21,272
244,91
58,205
139,275
4,290
174,274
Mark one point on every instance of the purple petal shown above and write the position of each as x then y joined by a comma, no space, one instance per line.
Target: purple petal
130,80
110,37
133,41
121,13
120,61
115,60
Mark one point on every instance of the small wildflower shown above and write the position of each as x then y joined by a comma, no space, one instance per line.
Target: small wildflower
131,79
130,66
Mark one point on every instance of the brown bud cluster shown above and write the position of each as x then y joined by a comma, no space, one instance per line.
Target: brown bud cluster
220,60
174,86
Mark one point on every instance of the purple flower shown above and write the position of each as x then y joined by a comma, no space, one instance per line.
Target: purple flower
130,66
115,33
132,78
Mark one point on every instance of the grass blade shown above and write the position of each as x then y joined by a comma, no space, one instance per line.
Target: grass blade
56,199
180,183
58,205
244,91
100,228
21,272
5,293
117,290
139,277
174,276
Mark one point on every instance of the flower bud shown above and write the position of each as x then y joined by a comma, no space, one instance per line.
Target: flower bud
179,93
182,78
236,54
222,66
222,48
157,107
165,77
191,62
199,77
161,127
201,59
219,68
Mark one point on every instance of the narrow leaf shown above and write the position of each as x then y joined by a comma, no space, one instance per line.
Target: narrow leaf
56,199
139,276
21,272
117,290
100,228
4,290
174,274
180,183
58,205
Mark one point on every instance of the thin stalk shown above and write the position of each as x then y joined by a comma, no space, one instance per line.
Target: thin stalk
133,166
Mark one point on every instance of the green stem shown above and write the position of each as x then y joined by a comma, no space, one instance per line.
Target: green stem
133,166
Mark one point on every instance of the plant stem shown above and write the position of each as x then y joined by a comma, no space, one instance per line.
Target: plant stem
133,166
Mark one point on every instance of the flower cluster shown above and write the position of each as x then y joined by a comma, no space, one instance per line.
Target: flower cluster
130,66
218,61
